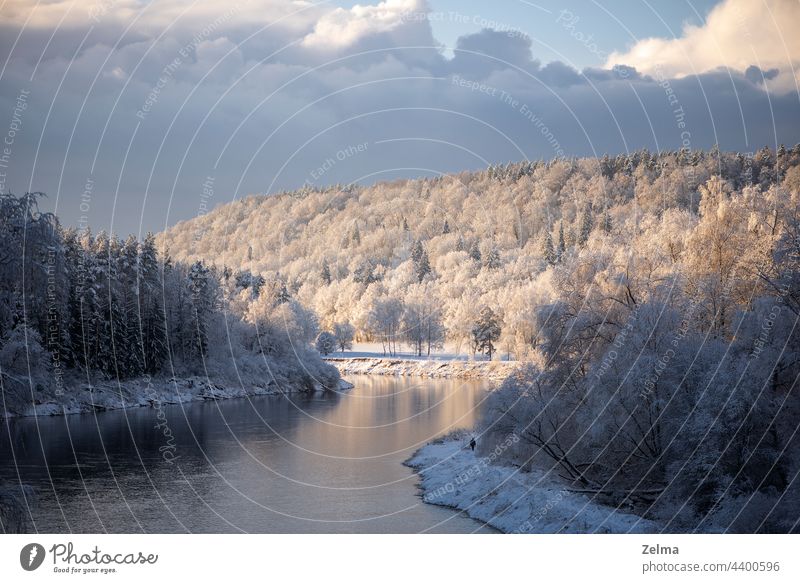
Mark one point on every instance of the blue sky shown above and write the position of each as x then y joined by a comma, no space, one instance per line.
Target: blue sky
614,25
123,111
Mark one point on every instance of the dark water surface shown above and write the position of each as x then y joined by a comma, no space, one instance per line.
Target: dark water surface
319,463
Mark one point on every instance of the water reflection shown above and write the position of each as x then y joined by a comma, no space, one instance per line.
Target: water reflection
304,463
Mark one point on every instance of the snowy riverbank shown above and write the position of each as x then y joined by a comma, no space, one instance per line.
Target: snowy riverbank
144,392
510,500
461,369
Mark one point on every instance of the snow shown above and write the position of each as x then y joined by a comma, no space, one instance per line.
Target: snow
143,392
375,350
511,500
464,369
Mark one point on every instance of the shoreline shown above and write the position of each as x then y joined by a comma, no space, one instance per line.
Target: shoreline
493,370
509,500
153,392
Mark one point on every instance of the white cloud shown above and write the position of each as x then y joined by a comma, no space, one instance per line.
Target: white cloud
736,34
342,28
154,15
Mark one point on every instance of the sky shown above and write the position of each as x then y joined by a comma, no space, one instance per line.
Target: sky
132,115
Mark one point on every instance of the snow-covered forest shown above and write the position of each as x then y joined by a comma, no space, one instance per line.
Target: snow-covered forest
77,307
655,297
387,258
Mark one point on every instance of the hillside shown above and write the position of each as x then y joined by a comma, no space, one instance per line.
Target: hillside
443,248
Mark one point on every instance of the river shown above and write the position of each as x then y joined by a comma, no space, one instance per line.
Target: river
301,463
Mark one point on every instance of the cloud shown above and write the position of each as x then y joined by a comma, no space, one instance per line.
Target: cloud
343,28
490,50
250,93
737,34
756,75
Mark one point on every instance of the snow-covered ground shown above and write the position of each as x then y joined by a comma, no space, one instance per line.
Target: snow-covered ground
511,500
449,352
391,366
143,392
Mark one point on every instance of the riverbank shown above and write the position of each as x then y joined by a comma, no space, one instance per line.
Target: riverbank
152,392
510,500
494,370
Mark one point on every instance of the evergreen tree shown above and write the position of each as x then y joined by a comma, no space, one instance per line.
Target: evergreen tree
325,273
607,223
586,226
201,302
475,252
493,259
417,251
423,266
548,252
283,295
486,331
562,247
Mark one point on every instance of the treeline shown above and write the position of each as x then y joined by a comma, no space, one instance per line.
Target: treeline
447,248
74,302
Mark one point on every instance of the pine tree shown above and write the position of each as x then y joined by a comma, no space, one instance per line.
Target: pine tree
586,226
283,296
562,247
475,252
493,259
199,288
417,251
607,223
548,252
102,339
154,334
326,273
486,331
423,266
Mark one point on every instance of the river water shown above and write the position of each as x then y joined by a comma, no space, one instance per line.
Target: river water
300,463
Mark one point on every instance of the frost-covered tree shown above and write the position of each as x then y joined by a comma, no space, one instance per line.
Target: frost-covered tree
385,319
548,252
325,343
486,331
475,252
422,323
345,334
325,273
587,222
492,260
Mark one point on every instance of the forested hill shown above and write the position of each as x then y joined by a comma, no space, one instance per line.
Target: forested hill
473,240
